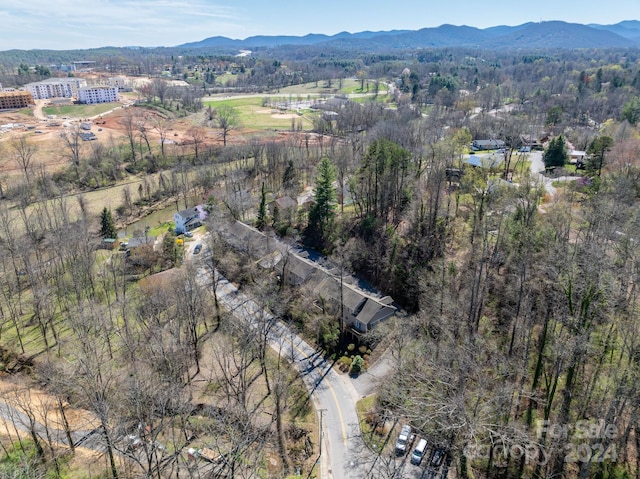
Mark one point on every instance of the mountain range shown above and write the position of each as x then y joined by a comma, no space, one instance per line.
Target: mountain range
550,34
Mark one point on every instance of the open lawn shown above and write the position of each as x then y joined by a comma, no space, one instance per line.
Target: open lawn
365,408
349,86
82,111
255,116
225,78
381,98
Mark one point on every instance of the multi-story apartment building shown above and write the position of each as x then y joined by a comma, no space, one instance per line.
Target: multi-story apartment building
15,99
121,83
98,94
55,88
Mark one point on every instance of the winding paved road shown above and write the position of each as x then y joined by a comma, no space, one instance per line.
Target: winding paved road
342,450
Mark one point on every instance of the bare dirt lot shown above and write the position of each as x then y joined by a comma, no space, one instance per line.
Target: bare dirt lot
45,134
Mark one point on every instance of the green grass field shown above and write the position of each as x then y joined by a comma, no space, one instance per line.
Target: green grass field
349,86
255,116
225,78
82,111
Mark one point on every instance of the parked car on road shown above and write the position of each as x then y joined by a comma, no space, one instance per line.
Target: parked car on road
418,452
438,457
403,440
188,234
197,249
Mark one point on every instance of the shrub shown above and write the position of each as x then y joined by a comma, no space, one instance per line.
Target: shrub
345,363
357,365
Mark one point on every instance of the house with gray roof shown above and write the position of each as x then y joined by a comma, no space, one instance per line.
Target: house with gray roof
248,239
487,145
297,270
333,292
188,219
361,311
285,207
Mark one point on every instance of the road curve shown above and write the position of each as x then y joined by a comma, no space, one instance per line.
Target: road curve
342,451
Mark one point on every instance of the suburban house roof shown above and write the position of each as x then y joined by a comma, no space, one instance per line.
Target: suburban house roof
373,311
329,288
529,140
285,203
486,161
141,241
359,305
248,239
488,144
195,211
188,212
299,267
366,308
193,221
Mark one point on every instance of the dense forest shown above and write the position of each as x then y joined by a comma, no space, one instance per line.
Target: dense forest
516,344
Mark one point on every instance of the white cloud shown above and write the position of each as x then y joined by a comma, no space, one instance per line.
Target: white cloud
71,24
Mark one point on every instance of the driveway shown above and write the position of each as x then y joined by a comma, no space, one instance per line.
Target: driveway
537,170
343,454
368,382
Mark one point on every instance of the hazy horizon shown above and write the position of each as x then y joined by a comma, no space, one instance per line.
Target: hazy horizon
67,25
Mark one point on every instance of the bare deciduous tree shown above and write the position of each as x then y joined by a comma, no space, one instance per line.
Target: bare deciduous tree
24,151
227,119
72,143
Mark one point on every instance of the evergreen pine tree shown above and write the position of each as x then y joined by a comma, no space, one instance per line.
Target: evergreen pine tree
261,221
556,154
107,226
597,151
321,214
289,178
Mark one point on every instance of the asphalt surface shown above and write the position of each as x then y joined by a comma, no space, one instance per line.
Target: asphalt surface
90,439
342,450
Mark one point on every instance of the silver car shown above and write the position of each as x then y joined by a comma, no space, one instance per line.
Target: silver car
403,440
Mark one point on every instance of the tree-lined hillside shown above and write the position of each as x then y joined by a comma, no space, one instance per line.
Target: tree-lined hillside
515,292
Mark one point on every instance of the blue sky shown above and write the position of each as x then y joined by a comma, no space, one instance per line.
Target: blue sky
69,24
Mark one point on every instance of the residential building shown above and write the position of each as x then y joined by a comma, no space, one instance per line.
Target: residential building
297,270
98,94
487,145
333,291
577,157
15,99
84,65
140,247
55,88
121,83
285,208
141,241
189,219
491,160
337,294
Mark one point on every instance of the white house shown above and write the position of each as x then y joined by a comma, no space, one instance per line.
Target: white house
98,94
577,156
189,219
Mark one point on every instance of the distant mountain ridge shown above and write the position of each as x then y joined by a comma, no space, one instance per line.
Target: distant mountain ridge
549,34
